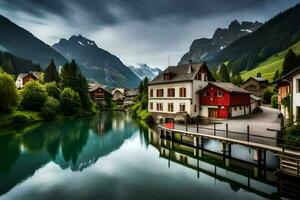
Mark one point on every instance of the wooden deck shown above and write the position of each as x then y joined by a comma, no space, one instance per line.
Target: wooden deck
246,139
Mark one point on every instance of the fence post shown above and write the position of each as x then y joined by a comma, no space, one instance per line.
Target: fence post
186,126
214,128
248,133
226,130
197,127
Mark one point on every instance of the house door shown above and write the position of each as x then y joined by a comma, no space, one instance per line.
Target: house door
212,113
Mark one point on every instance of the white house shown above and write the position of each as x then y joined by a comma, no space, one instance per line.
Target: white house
296,94
289,84
173,93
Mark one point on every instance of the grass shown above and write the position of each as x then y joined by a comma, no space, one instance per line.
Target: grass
6,119
268,67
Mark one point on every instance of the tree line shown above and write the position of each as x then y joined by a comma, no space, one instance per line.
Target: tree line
66,93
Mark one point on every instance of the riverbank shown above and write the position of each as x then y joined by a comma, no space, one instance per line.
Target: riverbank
23,118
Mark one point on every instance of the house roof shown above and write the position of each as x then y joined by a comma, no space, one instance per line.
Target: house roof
181,73
94,87
121,90
132,93
256,98
291,73
34,74
227,87
259,79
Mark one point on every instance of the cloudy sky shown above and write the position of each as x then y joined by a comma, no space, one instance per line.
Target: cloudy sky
137,31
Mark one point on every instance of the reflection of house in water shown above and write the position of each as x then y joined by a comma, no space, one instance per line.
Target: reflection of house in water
238,174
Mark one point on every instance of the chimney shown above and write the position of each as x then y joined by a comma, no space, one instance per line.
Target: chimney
190,69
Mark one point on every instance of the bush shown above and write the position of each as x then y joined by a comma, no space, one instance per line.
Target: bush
8,93
292,135
267,95
274,101
70,101
20,119
50,109
33,96
52,90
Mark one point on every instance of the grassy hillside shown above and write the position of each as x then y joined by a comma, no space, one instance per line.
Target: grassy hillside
268,67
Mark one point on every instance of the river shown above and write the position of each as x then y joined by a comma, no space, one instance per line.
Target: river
112,156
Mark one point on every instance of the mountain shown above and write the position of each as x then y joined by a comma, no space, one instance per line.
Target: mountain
15,65
96,63
274,36
204,49
268,67
22,43
143,70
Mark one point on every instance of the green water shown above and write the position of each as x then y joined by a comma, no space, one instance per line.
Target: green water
111,156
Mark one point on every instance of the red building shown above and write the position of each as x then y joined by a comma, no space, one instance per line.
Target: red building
223,100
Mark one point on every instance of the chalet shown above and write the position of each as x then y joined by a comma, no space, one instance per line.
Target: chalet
119,94
255,103
172,93
223,100
130,95
255,85
24,78
99,94
289,85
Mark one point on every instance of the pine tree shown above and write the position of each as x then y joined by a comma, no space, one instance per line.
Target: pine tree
224,74
51,74
71,77
290,62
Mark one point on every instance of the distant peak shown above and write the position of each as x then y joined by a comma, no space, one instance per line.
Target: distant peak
81,40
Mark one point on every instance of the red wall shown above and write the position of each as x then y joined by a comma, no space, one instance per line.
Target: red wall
212,99
228,99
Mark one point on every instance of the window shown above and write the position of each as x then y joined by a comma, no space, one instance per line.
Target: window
160,93
235,108
171,92
241,108
159,106
182,107
151,92
151,106
182,92
220,93
298,85
206,94
195,108
170,107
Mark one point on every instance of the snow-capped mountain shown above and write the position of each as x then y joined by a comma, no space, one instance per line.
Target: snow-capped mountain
143,70
204,49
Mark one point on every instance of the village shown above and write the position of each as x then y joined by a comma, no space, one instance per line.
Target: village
190,92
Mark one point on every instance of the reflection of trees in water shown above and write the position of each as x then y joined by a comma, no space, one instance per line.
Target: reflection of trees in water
9,152
67,139
74,137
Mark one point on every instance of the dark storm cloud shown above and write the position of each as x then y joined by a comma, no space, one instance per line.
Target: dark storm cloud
114,11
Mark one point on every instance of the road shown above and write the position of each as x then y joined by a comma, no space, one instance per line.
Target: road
258,125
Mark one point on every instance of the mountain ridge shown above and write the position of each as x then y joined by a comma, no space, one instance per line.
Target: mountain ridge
20,42
204,49
96,63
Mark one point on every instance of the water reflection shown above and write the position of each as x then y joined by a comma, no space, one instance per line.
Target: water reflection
74,144
236,172
111,156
